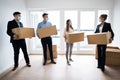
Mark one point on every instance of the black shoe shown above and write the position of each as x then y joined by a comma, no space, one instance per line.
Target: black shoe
53,62
14,68
28,65
98,67
103,69
71,59
44,63
68,63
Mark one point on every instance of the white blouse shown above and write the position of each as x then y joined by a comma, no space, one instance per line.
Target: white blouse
100,29
66,33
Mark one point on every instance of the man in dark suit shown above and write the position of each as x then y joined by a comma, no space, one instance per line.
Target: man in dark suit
17,44
103,27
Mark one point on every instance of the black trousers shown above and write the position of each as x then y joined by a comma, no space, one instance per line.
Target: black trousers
47,42
101,55
16,47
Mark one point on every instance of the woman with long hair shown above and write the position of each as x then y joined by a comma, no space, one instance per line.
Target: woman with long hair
69,46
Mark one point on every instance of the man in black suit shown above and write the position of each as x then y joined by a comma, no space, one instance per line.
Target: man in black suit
17,44
103,27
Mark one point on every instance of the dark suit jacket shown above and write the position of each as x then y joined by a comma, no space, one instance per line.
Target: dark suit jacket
106,28
13,24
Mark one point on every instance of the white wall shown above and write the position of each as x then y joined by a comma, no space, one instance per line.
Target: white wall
7,7
117,22
70,4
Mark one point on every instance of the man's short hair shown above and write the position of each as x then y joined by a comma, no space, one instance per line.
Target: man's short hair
44,14
16,13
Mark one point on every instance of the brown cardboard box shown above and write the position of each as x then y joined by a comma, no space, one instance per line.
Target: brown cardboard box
108,48
54,52
24,32
46,32
113,56
96,52
113,47
75,37
99,38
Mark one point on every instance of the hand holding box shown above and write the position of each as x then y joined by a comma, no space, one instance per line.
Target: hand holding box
22,33
16,37
99,38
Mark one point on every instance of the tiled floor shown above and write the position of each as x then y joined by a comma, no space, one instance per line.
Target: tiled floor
83,68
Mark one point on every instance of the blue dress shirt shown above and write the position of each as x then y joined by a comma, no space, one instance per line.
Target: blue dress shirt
43,25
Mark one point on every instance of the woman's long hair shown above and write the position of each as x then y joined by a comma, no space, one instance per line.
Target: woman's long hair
68,25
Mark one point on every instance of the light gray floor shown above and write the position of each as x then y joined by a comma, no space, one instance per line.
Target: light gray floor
83,68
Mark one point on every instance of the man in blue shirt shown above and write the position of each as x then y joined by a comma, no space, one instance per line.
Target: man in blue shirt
47,41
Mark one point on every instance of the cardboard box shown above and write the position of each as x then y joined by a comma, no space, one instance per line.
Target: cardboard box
75,37
24,32
54,52
96,52
99,38
46,32
113,47
113,56
108,49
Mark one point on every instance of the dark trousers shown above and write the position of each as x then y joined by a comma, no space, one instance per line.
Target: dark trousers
16,46
101,55
47,42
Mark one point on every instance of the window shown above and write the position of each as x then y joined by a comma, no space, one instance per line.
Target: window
73,15
35,18
87,23
87,20
54,18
